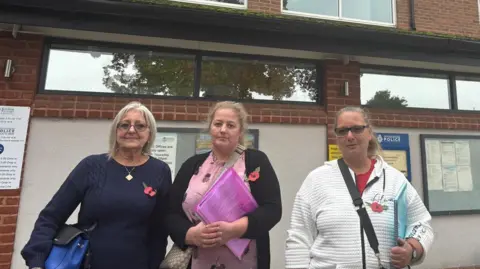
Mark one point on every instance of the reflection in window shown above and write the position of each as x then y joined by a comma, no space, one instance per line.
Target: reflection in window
228,3
243,79
467,93
377,11
398,91
120,72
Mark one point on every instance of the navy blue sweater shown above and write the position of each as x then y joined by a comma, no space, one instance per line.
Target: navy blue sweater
130,231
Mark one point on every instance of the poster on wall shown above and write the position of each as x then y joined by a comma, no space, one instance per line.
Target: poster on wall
396,151
13,134
203,142
333,152
448,165
165,149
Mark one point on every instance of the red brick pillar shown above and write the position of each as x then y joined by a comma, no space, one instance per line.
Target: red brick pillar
19,90
336,74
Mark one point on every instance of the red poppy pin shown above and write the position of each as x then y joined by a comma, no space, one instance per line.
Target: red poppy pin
377,207
253,175
149,190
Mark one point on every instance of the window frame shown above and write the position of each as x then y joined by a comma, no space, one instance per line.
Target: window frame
212,3
343,19
464,77
451,77
198,54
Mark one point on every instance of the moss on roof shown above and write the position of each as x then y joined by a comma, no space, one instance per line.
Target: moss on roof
301,19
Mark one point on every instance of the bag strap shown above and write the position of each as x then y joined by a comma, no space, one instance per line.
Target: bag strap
231,162
361,211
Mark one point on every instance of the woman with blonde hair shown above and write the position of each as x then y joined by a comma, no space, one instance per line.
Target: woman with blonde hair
122,194
227,122
343,214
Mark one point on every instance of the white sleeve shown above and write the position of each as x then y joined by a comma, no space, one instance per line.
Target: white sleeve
302,232
419,222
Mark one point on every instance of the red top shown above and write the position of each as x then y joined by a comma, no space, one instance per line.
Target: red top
362,179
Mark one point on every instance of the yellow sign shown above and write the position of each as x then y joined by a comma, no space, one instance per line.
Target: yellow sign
397,159
333,152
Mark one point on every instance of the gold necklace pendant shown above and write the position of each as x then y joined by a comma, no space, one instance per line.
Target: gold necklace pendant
129,176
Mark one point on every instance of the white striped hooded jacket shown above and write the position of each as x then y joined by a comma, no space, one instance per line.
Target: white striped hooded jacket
324,229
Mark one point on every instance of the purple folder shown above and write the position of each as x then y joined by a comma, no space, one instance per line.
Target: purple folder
228,200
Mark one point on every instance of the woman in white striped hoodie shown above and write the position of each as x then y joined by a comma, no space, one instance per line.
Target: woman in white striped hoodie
326,231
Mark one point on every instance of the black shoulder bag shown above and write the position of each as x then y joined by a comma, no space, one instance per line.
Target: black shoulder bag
362,212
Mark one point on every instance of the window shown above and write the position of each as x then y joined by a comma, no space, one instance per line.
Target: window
102,70
381,12
110,71
243,79
399,90
467,92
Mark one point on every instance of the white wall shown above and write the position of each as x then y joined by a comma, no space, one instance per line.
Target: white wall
55,146
456,237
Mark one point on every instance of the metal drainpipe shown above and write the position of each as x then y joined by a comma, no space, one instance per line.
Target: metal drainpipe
412,16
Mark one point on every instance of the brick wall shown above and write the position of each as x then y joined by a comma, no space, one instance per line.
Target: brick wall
19,91
455,17
267,6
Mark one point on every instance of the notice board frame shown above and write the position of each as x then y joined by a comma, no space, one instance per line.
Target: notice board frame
194,130
426,195
403,144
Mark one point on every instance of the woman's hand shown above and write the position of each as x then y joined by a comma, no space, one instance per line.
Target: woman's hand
401,254
203,236
231,230
227,232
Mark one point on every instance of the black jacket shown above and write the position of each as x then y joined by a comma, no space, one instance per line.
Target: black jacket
265,190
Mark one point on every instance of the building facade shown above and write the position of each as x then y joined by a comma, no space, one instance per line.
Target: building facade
414,64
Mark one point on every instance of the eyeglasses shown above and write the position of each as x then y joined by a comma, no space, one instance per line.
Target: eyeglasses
357,129
139,127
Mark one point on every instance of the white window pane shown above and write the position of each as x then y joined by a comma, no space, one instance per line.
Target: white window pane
467,95
395,91
368,10
317,7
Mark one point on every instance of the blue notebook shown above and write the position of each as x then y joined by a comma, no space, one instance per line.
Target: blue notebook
400,212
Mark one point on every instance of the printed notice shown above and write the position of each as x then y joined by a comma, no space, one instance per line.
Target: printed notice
450,182
165,149
462,151
334,152
433,151
13,134
434,175
397,159
464,175
448,153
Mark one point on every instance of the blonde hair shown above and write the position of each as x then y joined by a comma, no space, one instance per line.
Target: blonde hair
150,120
374,147
241,113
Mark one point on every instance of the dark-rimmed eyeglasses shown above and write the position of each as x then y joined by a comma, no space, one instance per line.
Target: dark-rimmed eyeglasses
357,129
139,127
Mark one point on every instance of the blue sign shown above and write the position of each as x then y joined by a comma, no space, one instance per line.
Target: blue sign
400,142
1,148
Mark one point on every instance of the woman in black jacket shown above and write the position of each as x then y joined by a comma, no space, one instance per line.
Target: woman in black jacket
227,125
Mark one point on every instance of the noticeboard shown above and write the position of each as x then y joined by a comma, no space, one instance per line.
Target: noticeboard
396,151
451,180
175,145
